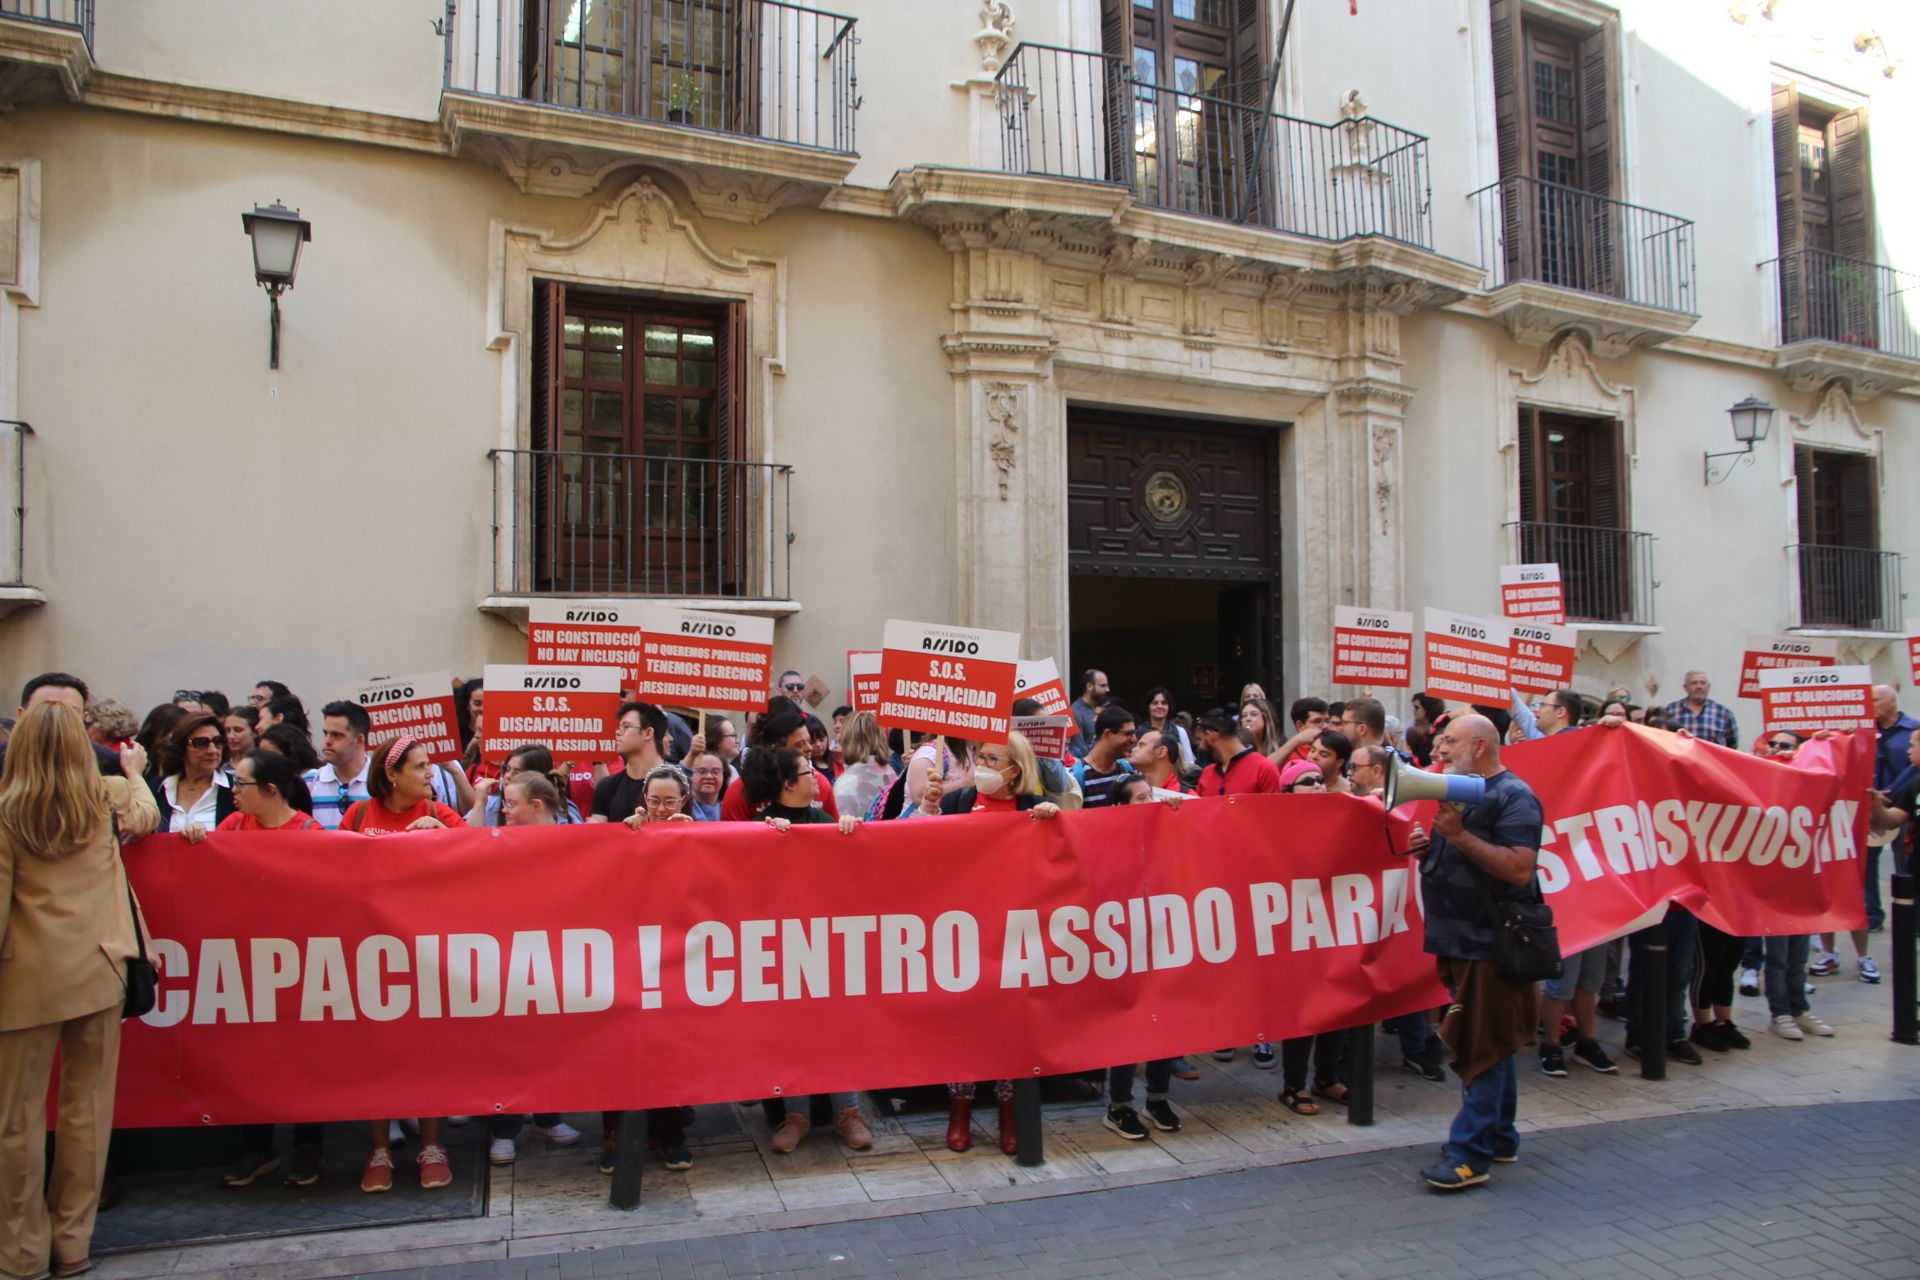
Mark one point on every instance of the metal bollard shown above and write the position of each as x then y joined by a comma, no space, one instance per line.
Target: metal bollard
1026,1122
629,1156
1653,1002
1360,1064
1901,930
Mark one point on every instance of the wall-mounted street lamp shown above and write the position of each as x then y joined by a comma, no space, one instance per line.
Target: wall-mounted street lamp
277,233
1752,419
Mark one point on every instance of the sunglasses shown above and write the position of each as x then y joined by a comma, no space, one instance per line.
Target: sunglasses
794,688
203,744
188,695
1783,746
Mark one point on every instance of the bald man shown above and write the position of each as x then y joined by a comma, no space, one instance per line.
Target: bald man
1480,851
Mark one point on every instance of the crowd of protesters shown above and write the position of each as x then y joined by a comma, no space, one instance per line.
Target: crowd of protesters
80,771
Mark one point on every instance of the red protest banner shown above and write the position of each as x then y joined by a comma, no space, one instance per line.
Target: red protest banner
956,680
1541,657
863,679
1041,681
586,633
709,661
1778,653
1809,699
569,710
1533,592
1913,648
1048,734
1372,647
944,949
1467,658
418,705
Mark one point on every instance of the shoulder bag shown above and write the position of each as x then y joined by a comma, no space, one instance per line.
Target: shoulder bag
1526,944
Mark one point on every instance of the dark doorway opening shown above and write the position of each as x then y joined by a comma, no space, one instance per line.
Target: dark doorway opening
1173,535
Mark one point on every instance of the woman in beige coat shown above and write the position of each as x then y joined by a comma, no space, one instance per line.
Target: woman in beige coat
66,934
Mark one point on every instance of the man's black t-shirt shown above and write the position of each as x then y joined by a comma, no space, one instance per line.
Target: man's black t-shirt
618,796
1904,796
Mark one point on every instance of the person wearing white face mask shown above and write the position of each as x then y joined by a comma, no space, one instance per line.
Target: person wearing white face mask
1006,779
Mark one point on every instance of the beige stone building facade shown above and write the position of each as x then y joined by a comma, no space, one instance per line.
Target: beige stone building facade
1075,318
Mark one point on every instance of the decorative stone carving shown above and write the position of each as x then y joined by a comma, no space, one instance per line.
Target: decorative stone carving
995,37
1003,411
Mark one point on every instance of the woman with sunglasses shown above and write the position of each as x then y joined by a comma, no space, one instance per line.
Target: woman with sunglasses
192,789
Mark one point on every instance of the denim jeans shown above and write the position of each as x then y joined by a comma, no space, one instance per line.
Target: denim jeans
1414,1033
1787,975
1876,910
258,1138
1484,1125
508,1126
1683,943
1120,1081
1753,955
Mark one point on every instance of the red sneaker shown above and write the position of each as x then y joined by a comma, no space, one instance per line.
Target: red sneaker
378,1175
434,1169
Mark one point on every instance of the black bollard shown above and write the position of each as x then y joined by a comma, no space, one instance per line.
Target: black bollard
1360,1054
1902,932
1653,1002
1031,1149
629,1156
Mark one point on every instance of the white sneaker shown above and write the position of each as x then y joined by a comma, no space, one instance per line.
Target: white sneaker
396,1136
1813,1025
500,1151
1749,982
1786,1028
560,1135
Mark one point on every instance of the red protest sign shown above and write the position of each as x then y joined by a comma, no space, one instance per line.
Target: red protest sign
952,680
1372,646
1048,734
418,705
585,633
1913,647
1540,657
1533,592
569,710
1467,658
1041,682
1776,653
863,679
1809,699
711,661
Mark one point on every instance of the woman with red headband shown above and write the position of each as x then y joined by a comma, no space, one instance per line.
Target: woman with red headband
400,784
400,787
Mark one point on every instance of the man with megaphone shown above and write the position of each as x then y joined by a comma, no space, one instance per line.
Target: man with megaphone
1480,859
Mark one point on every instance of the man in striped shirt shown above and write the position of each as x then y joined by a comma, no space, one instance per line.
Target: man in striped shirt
342,779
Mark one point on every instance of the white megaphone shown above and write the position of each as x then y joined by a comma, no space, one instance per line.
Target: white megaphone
1406,784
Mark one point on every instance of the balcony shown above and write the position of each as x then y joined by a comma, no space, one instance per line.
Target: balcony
14,591
1557,258
1070,113
1607,573
1848,588
750,103
46,50
1847,319
717,535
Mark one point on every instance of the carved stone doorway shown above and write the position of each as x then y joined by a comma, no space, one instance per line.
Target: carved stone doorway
1173,534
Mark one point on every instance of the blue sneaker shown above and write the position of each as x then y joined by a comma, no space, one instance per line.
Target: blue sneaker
1452,1177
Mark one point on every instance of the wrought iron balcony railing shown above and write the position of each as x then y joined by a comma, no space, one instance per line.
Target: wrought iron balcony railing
757,68
1832,298
1071,113
1541,231
625,524
1854,588
13,535
74,14
1607,573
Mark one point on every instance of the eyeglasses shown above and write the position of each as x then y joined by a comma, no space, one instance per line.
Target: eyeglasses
664,802
242,782
203,744
804,773
188,695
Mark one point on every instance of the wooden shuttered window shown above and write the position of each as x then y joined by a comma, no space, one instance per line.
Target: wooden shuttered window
1573,508
686,61
1787,211
1598,76
535,473
1842,580
1822,296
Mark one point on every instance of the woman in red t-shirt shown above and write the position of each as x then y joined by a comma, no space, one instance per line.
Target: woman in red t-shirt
401,786
269,795
400,782
1006,779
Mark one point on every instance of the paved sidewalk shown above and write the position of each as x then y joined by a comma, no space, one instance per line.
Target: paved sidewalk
1766,1192
554,1202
